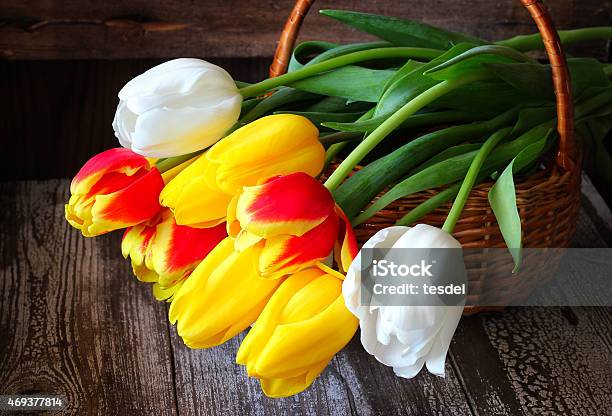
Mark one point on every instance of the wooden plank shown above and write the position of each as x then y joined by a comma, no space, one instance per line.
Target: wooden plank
72,318
535,360
75,322
87,29
209,382
57,114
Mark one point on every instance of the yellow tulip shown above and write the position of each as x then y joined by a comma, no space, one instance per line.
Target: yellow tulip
304,324
221,298
273,145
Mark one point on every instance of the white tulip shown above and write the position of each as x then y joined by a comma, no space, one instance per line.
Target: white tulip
406,337
175,108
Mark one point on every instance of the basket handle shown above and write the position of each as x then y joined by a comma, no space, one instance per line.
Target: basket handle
566,153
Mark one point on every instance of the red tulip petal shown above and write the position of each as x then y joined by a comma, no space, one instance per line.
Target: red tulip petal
188,246
286,254
284,205
131,205
119,160
346,245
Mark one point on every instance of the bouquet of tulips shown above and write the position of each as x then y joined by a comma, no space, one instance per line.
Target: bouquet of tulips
218,183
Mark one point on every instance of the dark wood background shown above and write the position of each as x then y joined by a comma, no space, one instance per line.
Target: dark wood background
65,60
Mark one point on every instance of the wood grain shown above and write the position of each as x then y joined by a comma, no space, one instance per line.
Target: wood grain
75,322
88,29
353,383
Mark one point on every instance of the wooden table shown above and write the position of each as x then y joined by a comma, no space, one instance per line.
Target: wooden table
74,321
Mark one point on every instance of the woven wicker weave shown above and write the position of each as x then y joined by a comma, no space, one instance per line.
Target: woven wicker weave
548,201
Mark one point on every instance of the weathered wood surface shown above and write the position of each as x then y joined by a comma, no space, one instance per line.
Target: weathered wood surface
88,29
75,322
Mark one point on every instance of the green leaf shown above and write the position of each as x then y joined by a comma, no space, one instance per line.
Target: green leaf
337,105
354,83
359,189
410,81
473,59
320,117
400,31
304,49
502,198
422,119
455,168
488,96
327,50
531,117
281,97
447,154
585,74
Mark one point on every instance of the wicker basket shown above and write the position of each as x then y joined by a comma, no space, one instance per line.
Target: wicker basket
548,201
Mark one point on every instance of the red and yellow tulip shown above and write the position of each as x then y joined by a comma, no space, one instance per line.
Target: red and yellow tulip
114,189
284,225
291,222
304,324
272,145
221,298
165,253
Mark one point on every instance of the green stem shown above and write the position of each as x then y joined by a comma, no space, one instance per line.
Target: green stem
526,43
348,59
389,125
429,205
470,178
171,162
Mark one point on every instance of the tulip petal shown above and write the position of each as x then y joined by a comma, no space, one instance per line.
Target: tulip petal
165,293
117,160
294,348
172,191
167,131
129,206
200,205
308,159
346,246
284,387
288,254
177,249
262,330
214,304
437,356
292,205
268,138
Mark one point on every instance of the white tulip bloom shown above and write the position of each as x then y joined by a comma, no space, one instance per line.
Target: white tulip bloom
175,108
406,337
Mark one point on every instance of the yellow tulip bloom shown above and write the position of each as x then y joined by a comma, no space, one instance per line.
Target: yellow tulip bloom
304,324
221,298
273,145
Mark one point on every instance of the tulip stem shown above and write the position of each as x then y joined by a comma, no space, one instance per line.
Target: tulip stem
392,123
171,162
470,178
259,88
525,43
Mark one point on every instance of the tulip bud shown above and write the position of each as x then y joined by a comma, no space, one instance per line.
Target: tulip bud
165,253
304,324
273,145
293,222
407,337
175,108
221,298
114,189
